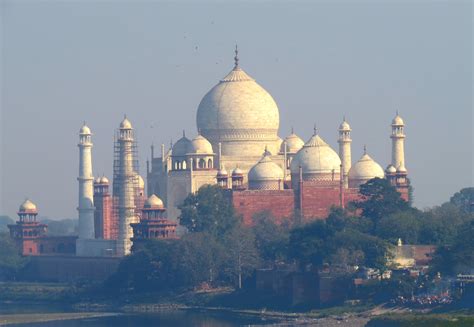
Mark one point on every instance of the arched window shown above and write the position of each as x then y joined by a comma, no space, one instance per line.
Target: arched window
209,163
184,165
202,163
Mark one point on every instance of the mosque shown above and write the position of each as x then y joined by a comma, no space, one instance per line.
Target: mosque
238,148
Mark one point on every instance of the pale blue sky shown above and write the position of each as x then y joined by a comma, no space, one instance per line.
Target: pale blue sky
65,62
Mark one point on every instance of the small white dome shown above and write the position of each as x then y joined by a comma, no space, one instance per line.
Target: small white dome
200,145
97,180
397,121
293,143
366,168
237,172
344,126
265,170
153,202
27,206
182,147
222,172
85,130
125,124
401,169
316,157
390,169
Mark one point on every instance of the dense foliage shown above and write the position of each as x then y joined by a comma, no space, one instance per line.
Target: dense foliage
218,250
10,260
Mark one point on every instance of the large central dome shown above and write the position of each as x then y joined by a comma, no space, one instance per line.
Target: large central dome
240,114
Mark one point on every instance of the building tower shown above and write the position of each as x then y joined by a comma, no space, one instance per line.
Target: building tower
398,140
103,210
345,150
86,189
28,230
125,185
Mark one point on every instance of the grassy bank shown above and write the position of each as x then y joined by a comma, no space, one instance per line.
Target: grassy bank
422,320
8,319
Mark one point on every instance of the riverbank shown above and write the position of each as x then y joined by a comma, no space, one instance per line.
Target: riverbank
28,318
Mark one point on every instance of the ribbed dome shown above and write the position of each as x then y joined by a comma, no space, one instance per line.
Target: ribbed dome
200,145
153,202
293,143
182,147
316,157
239,109
344,126
398,121
85,130
366,168
390,169
265,170
27,206
237,172
125,124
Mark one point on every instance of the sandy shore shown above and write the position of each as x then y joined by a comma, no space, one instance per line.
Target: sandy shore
25,318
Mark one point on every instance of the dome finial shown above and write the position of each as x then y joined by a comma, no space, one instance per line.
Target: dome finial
365,149
315,130
184,133
292,130
397,113
344,118
236,58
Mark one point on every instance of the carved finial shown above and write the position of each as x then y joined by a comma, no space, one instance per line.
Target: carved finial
344,118
236,58
292,130
266,152
365,149
184,133
84,123
397,113
315,130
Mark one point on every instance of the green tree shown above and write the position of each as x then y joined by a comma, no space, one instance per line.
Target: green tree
209,210
404,225
4,222
271,239
464,200
459,256
11,262
242,254
379,199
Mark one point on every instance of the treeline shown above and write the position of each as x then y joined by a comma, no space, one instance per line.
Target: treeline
219,250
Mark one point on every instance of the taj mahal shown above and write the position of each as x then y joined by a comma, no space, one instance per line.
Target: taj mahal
238,148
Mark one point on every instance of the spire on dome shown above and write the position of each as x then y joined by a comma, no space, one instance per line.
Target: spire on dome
365,149
236,58
315,130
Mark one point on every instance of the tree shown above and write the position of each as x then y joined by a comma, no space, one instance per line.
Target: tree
11,262
404,225
4,222
458,257
271,239
242,254
464,200
209,210
379,199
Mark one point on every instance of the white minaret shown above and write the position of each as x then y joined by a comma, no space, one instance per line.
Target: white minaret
86,186
126,188
398,140
345,150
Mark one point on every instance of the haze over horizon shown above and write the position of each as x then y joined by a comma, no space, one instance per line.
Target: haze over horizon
66,62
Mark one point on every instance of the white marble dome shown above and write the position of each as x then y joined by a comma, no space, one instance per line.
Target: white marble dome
390,169
265,170
153,202
27,206
85,130
141,182
182,147
125,124
200,145
398,121
240,114
293,143
364,169
344,126
315,158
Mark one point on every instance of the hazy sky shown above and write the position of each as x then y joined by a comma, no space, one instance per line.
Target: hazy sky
65,62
